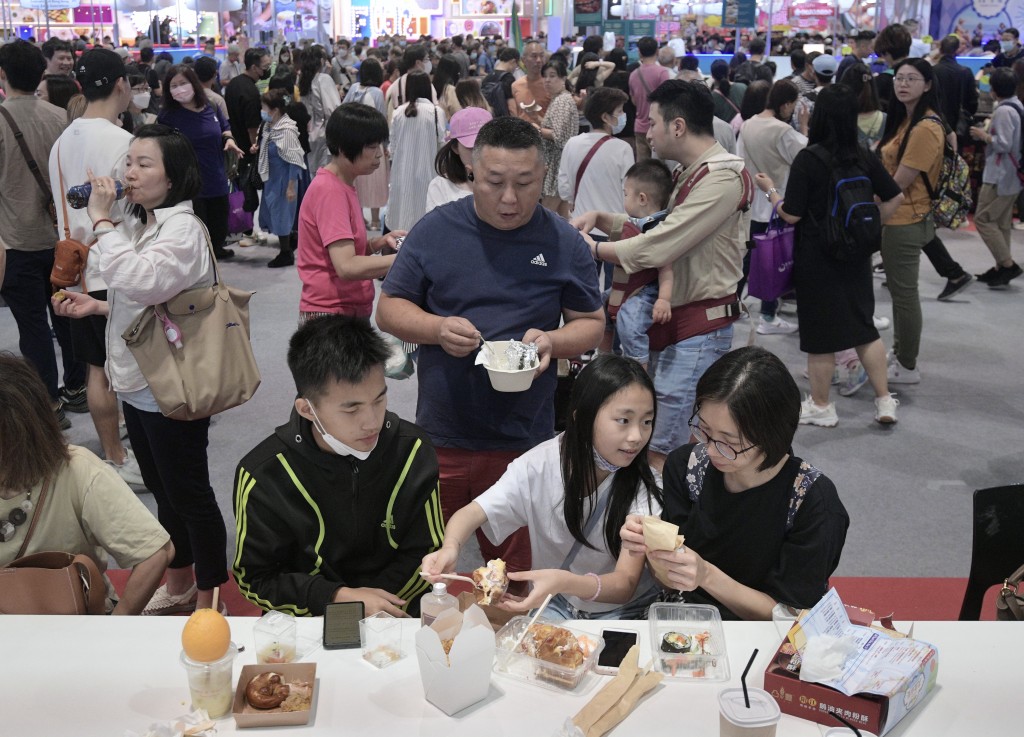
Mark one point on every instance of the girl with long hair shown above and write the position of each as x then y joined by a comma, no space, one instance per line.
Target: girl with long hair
575,492
728,95
446,75
417,131
870,118
836,298
320,96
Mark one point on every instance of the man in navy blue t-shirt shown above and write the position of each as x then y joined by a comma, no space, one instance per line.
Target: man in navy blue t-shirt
496,266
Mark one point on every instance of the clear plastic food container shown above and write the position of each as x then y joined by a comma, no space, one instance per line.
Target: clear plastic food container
688,643
551,675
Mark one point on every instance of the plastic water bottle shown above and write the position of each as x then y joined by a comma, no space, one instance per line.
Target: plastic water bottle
78,196
436,602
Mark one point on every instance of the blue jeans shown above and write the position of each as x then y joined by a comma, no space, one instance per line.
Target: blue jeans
676,371
560,608
634,319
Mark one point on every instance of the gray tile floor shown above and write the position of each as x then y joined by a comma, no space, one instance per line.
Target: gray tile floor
907,488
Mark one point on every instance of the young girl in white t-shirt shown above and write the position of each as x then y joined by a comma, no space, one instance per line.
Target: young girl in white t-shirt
574,493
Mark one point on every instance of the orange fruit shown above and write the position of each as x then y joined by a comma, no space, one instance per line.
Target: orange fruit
206,636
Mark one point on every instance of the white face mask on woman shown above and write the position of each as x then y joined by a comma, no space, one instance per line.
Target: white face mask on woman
141,100
620,124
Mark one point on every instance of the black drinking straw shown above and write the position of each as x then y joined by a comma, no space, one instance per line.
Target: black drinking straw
743,678
855,730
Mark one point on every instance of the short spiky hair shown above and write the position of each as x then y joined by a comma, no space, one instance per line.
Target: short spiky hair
337,348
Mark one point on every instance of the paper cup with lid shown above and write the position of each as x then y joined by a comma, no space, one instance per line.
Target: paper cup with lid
735,719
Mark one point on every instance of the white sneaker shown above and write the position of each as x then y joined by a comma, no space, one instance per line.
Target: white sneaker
900,374
812,414
1019,225
885,409
164,603
856,377
129,471
777,326
881,323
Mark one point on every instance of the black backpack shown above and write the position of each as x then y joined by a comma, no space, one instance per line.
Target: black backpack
853,224
493,90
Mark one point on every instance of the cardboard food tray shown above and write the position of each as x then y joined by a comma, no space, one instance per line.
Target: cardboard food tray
247,716
710,666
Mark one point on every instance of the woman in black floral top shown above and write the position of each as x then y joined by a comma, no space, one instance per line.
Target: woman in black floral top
761,526
561,122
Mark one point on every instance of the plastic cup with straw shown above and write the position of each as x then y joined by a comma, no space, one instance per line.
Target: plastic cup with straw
747,712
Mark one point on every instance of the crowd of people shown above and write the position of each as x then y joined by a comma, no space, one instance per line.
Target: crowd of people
601,211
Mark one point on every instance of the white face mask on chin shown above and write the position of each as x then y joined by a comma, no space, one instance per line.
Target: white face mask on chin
336,445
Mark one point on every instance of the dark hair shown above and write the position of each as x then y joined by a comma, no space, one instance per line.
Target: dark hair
312,62
647,47
181,166
782,93
760,394
146,54
275,99
798,60
23,64
354,126
60,89
600,380
619,58
600,101
468,93
508,53
834,122
190,76
417,86
690,101
593,44
949,45
558,65
448,163
508,133
1004,83
720,73
689,63
587,77
205,69
1012,31
51,46
653,178
31,444
765,72
338,348
447,72
413,54
757,47
755,99
254,56
859,79
284,50
371,73
893,40
896,115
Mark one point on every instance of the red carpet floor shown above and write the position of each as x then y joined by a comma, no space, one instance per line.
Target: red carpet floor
906,598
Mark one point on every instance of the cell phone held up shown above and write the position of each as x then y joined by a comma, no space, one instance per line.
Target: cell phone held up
341,625
616,644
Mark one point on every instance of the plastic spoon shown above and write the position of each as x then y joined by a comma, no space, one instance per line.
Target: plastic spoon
453,577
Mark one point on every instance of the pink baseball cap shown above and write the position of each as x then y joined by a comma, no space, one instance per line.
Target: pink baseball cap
466,123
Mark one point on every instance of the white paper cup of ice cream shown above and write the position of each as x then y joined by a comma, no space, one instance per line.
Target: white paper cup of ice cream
504,379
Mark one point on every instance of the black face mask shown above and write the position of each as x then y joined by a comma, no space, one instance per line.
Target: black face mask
265,75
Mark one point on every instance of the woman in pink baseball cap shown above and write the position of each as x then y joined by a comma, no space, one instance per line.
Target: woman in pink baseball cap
454,162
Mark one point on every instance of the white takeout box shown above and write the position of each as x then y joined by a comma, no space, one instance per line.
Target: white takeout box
468,679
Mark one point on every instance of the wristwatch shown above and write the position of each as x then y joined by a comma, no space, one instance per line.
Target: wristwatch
768,194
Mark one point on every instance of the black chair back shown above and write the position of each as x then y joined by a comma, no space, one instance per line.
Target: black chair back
998,547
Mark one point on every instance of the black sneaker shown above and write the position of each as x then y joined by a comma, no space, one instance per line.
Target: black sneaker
1002,279
62,419
73,400
988,275
284,258
954,287
223,253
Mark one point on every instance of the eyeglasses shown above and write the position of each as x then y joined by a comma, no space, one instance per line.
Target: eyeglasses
913,79
723,448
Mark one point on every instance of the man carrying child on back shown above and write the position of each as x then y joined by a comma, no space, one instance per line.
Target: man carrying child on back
702,238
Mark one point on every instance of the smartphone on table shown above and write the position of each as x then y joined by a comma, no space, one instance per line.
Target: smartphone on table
616,645
341,625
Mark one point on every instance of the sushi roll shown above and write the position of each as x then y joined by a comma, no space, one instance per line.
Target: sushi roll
675,642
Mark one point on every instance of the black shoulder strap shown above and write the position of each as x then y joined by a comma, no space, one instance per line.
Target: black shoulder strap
33,167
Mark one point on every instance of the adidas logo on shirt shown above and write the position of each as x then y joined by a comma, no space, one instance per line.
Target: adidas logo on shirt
538,260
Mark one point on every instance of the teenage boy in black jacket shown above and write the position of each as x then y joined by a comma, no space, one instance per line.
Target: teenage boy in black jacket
341,503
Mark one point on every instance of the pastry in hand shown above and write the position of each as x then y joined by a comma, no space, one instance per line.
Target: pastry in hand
492,581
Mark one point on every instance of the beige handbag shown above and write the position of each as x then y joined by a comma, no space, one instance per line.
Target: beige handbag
194,349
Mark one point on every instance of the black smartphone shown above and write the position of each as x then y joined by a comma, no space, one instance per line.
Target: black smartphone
341,625
616,645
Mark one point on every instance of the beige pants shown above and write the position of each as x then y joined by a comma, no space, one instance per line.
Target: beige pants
994,218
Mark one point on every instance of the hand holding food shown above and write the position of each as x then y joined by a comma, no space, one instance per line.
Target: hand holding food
632,535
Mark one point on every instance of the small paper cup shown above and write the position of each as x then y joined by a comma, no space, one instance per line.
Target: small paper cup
505,380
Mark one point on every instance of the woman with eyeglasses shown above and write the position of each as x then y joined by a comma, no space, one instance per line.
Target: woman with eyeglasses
761,526
912,148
